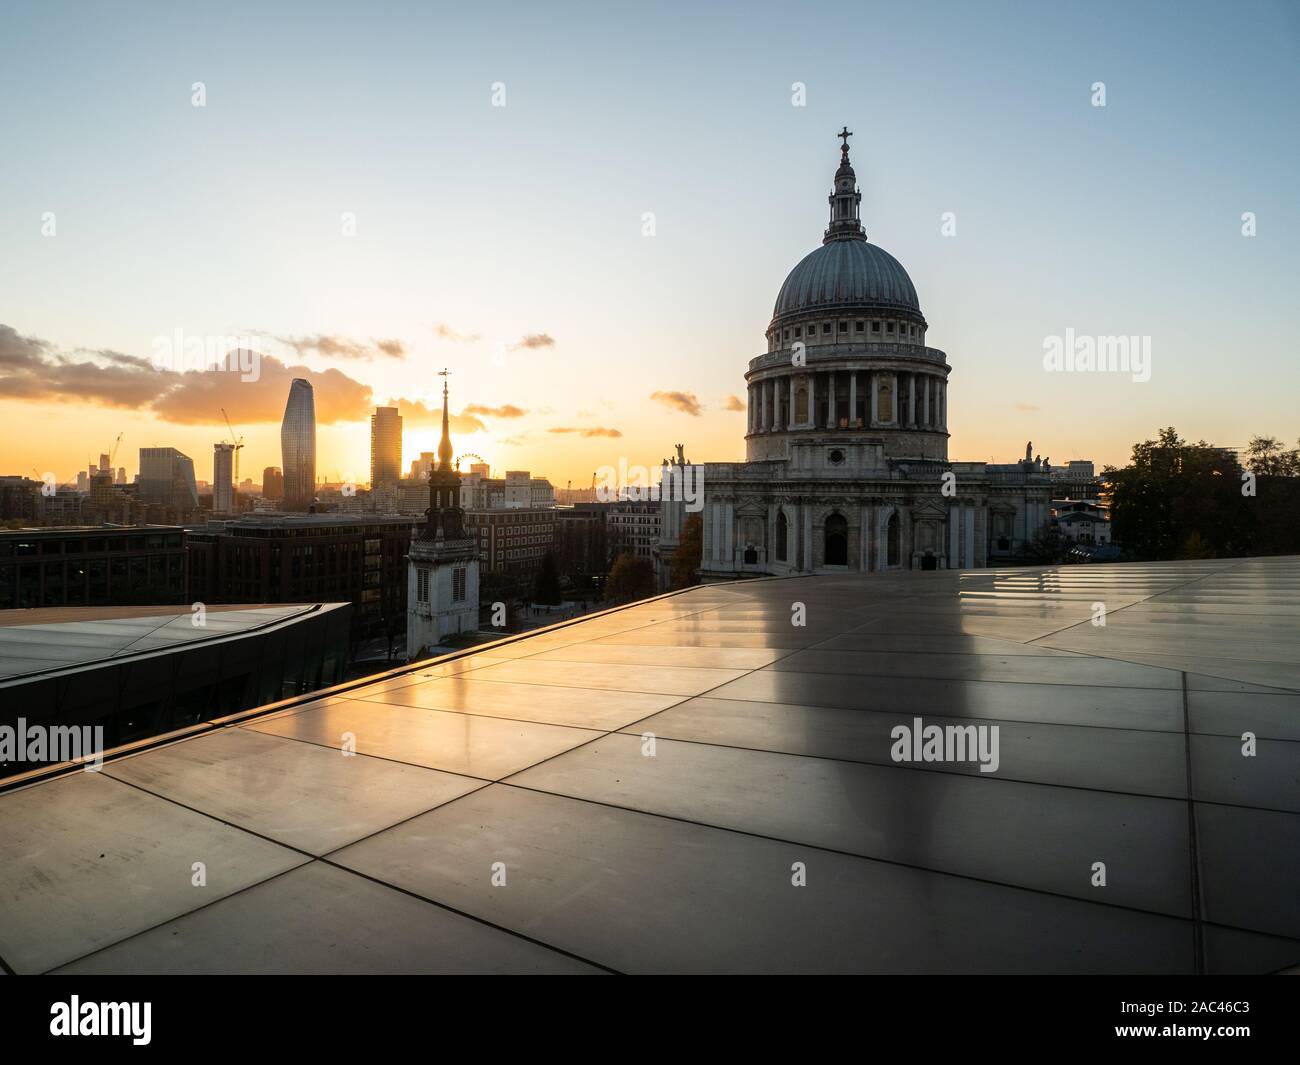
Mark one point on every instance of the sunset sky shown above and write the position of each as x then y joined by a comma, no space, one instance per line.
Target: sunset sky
506,243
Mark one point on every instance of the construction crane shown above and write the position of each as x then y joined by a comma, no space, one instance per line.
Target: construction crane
112,455
238,441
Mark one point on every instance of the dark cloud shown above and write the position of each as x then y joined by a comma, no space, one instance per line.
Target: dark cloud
597,430
339,347
196,398
685,402
508,410
31,369
533,341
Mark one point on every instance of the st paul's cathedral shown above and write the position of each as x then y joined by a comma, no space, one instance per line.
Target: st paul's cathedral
846,451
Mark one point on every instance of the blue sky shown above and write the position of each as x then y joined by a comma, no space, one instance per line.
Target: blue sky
527,219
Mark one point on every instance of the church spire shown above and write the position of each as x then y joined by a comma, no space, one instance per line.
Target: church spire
846,200
443,518
444,445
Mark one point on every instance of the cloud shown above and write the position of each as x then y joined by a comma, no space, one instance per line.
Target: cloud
685,402
339,347
32,369
507,410
534,341
734,403
418,413
446,332
597,430
196,397
1026,406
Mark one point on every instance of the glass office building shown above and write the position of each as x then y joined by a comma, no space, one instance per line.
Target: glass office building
298,446
167,477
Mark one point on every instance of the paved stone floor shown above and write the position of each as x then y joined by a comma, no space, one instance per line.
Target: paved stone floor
640,790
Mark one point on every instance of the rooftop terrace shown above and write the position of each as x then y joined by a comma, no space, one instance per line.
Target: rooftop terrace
639,791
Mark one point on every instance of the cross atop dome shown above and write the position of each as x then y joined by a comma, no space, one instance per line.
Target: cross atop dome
844,135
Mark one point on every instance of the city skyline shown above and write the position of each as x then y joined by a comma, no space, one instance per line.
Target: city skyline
674,489
515,247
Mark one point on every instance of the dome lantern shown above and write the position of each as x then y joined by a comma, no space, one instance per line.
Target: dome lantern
846,200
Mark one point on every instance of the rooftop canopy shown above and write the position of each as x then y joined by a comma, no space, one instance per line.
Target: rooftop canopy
715,781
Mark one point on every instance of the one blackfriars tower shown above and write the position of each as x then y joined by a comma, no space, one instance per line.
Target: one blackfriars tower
298,446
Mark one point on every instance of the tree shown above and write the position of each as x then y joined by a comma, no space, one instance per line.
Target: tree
631,578
685,568
546,587
1178,500
1266,457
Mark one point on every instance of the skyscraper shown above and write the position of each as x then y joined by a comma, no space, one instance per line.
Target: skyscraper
385,447
298,446
223,485
167,477
272,483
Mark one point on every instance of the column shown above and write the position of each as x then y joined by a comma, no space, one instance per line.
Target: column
853,397
893,392
871,387
812,400
790,413
911,399
925,400
762,406
831,420
807,539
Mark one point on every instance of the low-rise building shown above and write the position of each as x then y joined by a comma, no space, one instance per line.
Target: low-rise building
303,558
582,540
634,527
512,542
91,566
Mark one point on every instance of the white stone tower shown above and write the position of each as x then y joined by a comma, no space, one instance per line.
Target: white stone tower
442,575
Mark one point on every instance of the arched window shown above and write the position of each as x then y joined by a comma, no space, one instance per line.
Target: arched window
892,541
837,540
782,537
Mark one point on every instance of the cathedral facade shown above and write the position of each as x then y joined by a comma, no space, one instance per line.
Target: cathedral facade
846,450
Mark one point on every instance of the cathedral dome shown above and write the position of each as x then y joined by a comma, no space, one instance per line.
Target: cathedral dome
847,271
844,272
